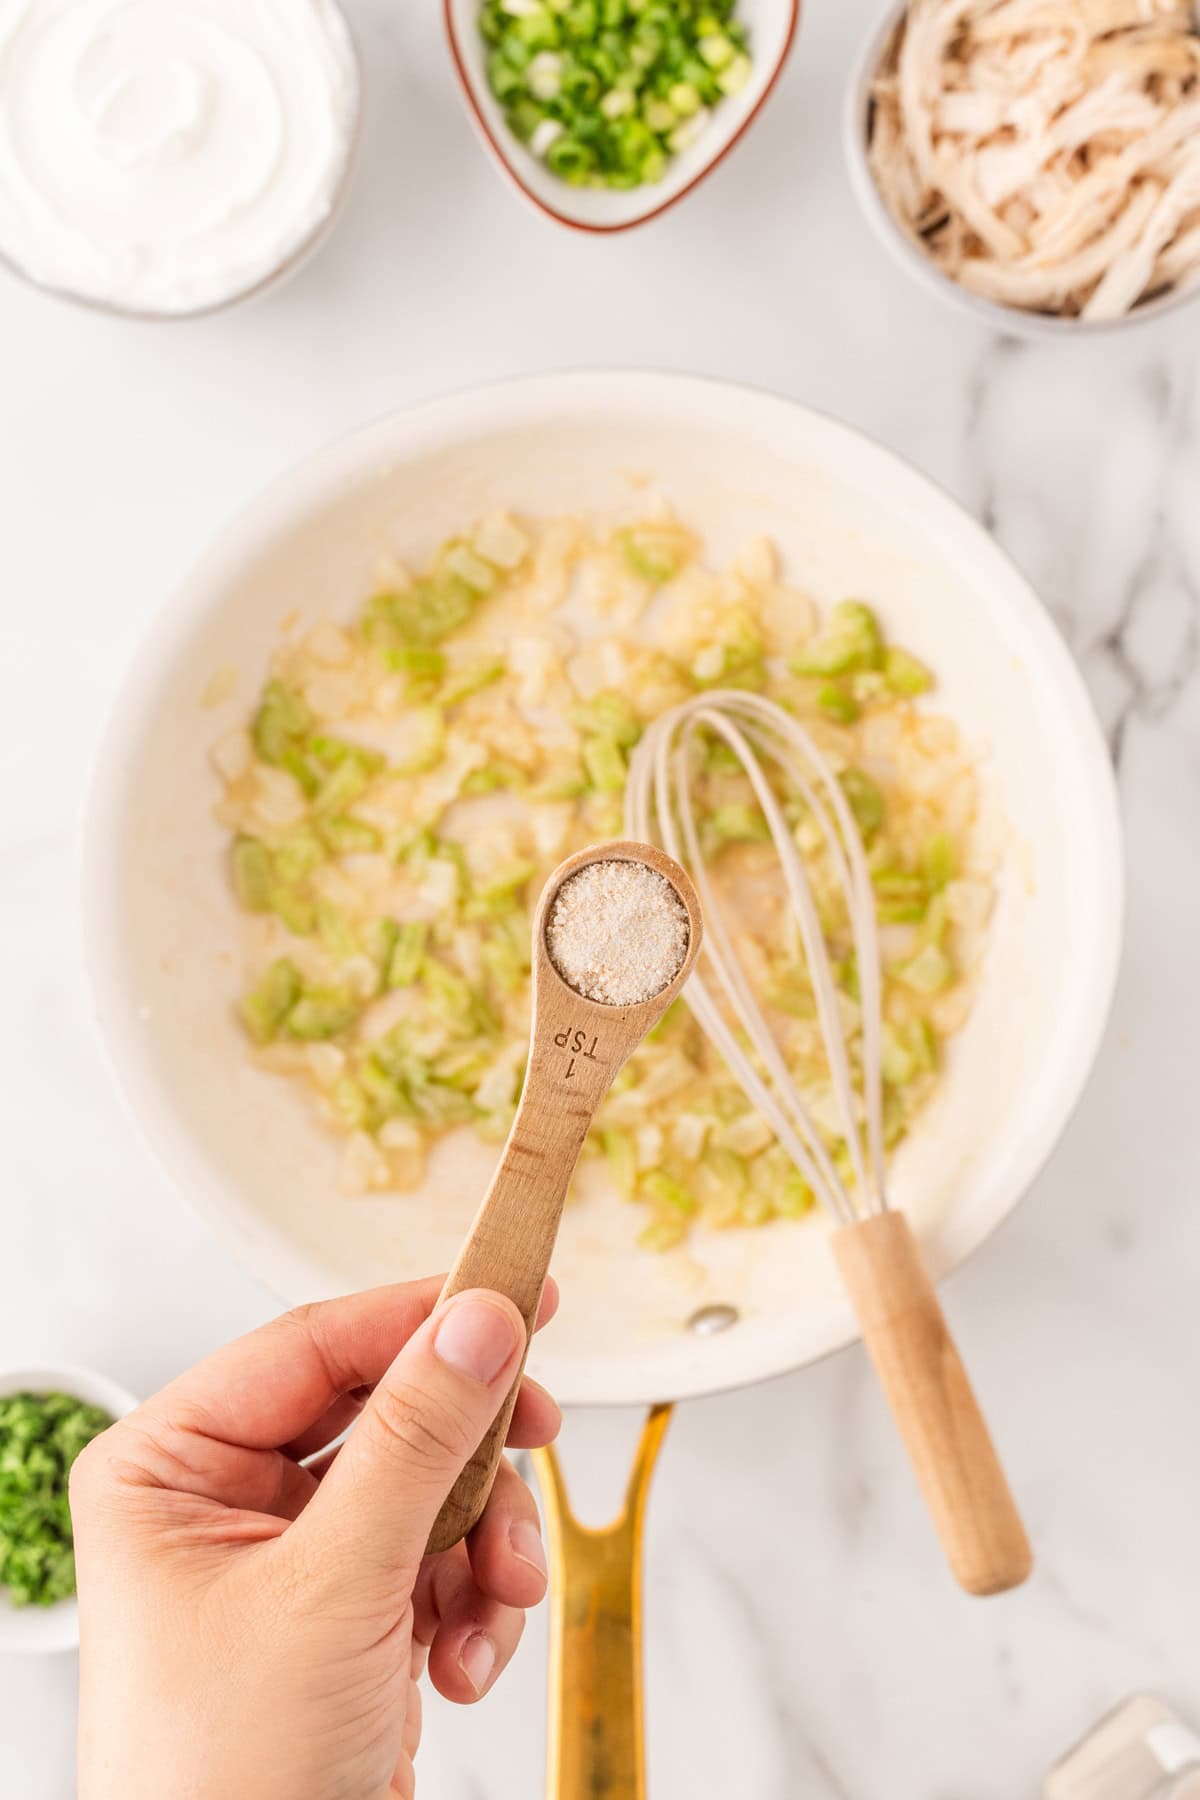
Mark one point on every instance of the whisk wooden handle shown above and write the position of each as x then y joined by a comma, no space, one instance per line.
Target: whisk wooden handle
938,1416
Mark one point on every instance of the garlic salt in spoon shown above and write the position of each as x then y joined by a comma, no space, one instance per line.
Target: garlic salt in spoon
616,933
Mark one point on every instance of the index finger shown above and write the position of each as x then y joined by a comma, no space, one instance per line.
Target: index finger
268,1387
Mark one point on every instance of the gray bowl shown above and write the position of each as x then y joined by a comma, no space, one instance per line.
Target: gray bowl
1015,320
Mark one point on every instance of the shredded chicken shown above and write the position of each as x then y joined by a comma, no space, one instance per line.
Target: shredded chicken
1046,153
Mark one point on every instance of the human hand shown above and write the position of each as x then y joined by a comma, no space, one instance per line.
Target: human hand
254,1629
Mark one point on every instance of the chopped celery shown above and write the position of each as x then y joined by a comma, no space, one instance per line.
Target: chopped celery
440,1104
321,1013
604,763
469,679
563,780
719,759
266,1006
422,614
898,884
462,1068
336,931
849,641
928,972
794,1197
791,992
845,975
505,955
864,800
449,994
837,703
622,1161
736,658
897,1060
280,723
665,1191
725,1172
334,750
939,865
293,759
252,874
427,727
668,1025
493,776
501,893
379,941
868,685
736,823
923,1045
297,856
408,953
295,909
655,553
347,836
349,1103
417,661
900,912
895,1116
385,1095
904,674
610,716
937,920
344,784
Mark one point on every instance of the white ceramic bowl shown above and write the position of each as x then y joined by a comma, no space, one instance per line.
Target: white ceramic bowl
1015,320
295,260
162,930
772,26
41,1630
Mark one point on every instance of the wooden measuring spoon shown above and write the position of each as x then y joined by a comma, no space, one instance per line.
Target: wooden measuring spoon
577,1048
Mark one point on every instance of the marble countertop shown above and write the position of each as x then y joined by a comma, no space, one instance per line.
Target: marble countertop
797,1605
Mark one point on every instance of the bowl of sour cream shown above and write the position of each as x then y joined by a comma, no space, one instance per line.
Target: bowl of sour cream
164,158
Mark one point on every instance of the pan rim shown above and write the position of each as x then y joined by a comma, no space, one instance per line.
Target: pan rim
349,460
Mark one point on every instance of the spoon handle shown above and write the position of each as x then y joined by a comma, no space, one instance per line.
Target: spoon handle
572,1064
577,1050
933,1404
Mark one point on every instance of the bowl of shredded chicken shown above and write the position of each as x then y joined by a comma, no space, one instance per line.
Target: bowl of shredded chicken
1039,156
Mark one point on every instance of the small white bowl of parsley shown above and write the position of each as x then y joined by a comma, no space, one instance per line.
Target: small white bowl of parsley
47,1416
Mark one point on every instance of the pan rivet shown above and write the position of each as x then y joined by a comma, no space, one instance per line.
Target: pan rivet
706,1321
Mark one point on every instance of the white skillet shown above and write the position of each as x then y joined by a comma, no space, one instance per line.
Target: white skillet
849,518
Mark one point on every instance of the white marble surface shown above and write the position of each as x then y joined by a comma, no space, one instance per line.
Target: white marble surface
803,1638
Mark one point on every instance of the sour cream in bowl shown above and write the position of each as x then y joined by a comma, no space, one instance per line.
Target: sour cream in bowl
167,157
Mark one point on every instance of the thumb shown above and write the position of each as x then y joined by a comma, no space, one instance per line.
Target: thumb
413,1439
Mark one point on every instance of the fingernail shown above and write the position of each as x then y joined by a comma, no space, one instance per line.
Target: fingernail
525,1541
477,1659
477,1339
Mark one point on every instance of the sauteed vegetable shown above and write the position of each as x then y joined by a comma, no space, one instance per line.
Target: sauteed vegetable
408,781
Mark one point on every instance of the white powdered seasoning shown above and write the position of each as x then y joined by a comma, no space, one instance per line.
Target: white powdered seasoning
617,932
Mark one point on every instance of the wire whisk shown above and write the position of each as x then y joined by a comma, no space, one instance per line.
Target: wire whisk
659,799
898,1311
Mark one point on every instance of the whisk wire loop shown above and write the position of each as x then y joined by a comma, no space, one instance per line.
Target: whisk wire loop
660,802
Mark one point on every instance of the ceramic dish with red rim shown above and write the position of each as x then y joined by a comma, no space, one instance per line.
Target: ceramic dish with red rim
771,29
